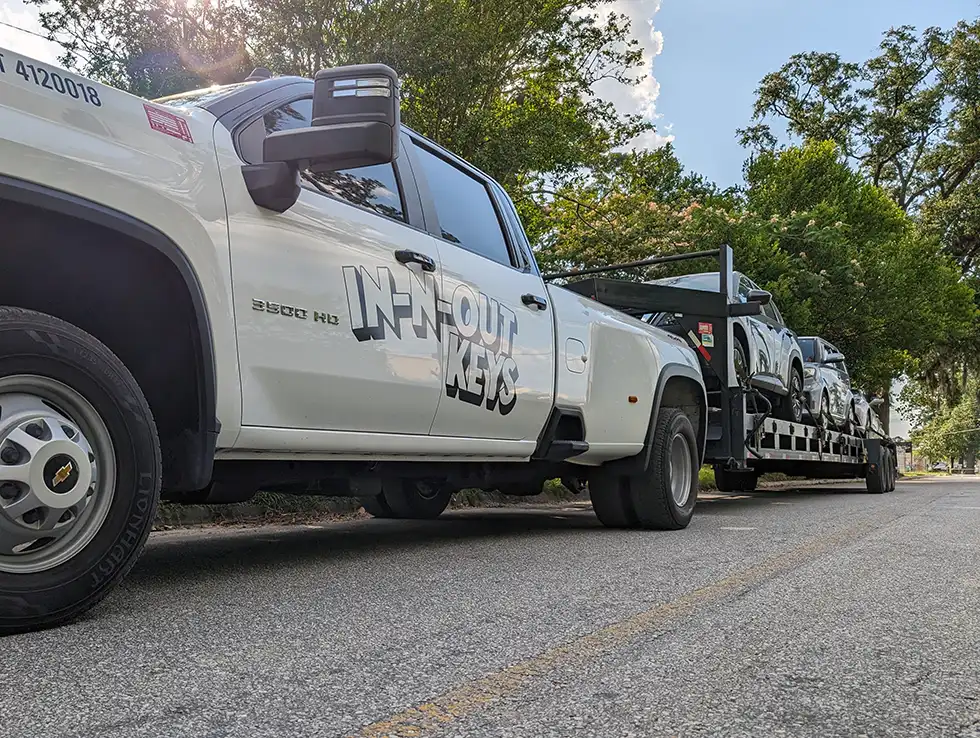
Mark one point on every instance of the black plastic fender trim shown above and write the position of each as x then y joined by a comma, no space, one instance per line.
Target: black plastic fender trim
64,203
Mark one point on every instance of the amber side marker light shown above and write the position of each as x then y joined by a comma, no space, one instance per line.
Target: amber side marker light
632,399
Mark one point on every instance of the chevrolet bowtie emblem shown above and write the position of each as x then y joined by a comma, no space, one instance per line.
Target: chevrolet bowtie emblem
62,474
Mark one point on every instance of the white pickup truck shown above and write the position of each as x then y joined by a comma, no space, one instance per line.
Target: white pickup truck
276,285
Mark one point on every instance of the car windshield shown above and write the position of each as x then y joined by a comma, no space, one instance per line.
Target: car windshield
809,348
706,282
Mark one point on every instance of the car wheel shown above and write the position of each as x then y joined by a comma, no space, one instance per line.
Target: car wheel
791,406
80,471
824,420
850,424
741,363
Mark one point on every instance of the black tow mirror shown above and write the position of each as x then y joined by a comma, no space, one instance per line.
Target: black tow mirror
760,296
356,123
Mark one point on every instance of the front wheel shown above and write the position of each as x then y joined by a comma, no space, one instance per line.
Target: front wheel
824,420
663,497
80,471
791,406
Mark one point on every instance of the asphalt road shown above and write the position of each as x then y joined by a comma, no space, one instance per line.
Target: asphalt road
822,612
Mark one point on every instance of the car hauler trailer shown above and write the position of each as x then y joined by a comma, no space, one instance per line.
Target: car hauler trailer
743,440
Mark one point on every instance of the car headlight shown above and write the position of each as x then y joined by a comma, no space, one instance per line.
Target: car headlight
809,372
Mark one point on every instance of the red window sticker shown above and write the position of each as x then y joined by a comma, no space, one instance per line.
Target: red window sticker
705,328
166,122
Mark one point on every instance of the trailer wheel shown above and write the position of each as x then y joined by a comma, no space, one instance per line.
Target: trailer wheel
416,499
877,477
731,481
80,471
892,471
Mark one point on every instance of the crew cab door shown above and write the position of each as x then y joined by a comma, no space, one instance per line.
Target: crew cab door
499,337
335,332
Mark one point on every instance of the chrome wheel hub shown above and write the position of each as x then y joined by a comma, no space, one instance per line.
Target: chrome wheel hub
57,473
680,470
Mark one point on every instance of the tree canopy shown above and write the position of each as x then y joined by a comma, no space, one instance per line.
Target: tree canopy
864,221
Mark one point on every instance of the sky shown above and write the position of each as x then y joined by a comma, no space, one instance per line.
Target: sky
705,59
715,52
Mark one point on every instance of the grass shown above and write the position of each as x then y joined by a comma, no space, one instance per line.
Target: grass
706,478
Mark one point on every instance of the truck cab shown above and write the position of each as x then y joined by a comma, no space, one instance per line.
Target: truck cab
275,285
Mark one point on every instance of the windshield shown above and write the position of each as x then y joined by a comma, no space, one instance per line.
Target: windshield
706,282
809,348
197,98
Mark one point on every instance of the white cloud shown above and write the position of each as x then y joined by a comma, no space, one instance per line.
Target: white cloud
15,13
641,99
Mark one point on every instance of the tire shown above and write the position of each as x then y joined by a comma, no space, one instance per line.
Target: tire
851,422
728,481
662,498
416,499
892,471
377,507
84,411
791,406
824,420
611,500
877,479
742,371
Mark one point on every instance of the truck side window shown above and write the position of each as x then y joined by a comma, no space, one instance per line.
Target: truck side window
375,187
467,215
516,227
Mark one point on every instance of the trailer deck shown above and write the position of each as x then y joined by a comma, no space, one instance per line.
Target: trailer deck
743,441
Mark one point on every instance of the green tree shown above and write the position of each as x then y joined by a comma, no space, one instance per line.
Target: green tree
506,84
908,119
842,260
952,433
152,48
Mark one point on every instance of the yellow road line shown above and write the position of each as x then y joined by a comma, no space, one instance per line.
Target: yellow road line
474,695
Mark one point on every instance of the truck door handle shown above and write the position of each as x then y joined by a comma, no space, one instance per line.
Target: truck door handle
407,256
533,300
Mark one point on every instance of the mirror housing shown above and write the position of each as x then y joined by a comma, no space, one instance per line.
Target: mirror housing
833,357
760,296
877,402
356,123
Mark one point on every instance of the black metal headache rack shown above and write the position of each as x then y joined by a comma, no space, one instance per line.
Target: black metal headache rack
741,434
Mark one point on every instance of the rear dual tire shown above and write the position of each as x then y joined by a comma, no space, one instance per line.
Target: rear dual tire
664,496
410,499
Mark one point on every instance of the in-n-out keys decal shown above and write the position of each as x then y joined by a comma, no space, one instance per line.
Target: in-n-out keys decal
476,331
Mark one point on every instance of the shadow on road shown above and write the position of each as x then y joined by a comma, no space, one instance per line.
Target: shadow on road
198,552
